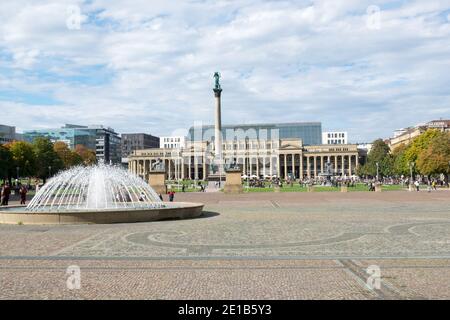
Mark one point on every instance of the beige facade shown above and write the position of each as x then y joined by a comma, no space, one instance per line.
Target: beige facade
281,158
406,137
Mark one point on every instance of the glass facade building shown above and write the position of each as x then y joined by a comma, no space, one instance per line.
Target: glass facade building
309,132
69,135
104,141
7,134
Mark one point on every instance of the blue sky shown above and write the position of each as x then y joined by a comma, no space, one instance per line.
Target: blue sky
147,66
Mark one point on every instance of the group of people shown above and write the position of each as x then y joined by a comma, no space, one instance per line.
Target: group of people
171,195
200,185
5,193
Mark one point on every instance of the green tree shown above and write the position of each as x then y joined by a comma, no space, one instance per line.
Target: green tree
435,158
87,155
23,158
6,162
380,153
419,144
70,158
400,166
46,157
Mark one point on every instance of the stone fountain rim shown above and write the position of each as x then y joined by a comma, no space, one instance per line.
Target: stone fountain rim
175,210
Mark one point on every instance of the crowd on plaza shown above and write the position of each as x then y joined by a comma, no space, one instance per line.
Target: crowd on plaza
338,181
19,189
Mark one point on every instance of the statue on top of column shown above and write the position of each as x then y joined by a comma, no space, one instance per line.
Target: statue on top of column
216,78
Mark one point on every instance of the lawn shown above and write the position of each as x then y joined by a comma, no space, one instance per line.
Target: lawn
297,188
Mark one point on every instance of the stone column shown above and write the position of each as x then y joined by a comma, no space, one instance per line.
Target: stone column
335,164
257,166
350,165
182,167
264,166
145,169
293,164
321,164
195,167
271,165
343,164
218,124
189,167
301,165
315,166
204,167
308,167
278,166
285,166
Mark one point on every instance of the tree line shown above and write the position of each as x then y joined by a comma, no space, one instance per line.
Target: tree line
40,159
427,155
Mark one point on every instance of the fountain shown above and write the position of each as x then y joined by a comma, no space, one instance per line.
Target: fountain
328,174
97,194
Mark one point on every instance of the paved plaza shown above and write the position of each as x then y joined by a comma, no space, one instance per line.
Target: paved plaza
248,246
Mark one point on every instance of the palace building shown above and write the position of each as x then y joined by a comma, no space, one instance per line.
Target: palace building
283,150
284,158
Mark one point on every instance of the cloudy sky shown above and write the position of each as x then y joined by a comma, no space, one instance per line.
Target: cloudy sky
367,67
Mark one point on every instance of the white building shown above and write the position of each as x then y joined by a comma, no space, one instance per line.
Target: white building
334,137
175,142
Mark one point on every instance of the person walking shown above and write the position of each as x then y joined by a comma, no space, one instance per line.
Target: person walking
23,194
6,191
142,196
417,184
433,185
171,195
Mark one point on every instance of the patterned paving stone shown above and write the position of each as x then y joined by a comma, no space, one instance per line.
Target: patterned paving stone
277,246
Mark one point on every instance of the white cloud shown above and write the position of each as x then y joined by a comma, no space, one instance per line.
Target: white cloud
148,68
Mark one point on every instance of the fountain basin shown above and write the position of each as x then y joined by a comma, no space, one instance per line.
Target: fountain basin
171,210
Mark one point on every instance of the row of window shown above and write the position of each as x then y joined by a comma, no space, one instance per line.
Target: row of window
336,135
337,141
244,146
171,139
171,145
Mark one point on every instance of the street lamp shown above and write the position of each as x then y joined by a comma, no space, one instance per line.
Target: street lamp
49,171
377,169
17,170
411,166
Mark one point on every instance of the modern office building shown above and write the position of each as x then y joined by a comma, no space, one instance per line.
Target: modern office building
103,140
173,142
309,132
136,141
334,137
107,145
71,135
7,134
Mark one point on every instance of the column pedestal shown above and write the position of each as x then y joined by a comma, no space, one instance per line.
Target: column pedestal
157,180
233,183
